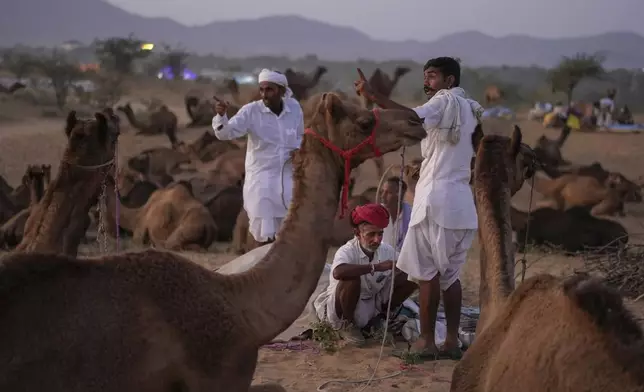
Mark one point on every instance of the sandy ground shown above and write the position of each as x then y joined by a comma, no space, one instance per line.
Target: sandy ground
40,140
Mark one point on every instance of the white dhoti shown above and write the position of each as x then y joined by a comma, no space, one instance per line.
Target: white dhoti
430,250
366,308
264,229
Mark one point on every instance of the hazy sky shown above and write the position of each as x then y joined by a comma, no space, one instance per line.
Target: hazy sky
423,20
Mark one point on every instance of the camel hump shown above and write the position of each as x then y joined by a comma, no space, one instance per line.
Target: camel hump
605,307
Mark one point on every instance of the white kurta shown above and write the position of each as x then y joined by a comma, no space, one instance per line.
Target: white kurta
374,288
443,190
271,139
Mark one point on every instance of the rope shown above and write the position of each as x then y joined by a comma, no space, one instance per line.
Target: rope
524,260
117,198
368,381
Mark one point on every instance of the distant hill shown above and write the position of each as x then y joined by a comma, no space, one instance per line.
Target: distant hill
294,36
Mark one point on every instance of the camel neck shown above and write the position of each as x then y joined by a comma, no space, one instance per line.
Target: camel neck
495,232
274,293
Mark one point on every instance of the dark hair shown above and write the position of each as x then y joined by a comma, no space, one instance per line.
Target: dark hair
448,66
397,181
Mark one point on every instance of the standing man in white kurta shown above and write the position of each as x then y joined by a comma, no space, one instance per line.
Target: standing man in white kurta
274,125
443,219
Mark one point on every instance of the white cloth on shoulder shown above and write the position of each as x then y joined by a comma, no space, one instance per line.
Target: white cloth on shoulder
266,75
451,120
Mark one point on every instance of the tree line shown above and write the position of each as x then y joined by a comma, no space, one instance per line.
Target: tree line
580,76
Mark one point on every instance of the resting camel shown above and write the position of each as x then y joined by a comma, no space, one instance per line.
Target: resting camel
12,230
598,172
21,196
59,221
574,230
172,218
570,190
155,321
161,121
549,334
301,84
232,87
548,151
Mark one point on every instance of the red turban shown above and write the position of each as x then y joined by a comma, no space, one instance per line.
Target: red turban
372,213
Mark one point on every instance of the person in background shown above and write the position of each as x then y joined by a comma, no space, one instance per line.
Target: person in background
606,109
275,126
399,211
361,277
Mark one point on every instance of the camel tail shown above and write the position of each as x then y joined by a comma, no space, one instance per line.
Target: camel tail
604,306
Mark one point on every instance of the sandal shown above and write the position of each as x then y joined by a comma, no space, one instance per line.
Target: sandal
423,355
454,354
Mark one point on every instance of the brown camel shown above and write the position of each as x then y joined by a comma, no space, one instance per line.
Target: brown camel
493,95
549,334
302,84
201,111
12,230
59,221
383,84
172,218
548,151
161,121
21,196
155,321
570,190
598,172
573,230
232,87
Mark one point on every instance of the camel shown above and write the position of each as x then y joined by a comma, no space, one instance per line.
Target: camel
598,172
153,320
59,221
12,230
301,84
21,196
548,334
232,87
574,230
569,190
548,151
383,84
172,218
161,121
201,111
493,95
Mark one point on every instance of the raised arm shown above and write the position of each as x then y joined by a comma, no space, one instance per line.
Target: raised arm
236,127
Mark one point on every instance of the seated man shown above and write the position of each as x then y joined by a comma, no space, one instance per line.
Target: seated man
360,279
399,211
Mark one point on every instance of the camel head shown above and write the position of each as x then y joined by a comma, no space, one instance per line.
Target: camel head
347,126
519,160
91,142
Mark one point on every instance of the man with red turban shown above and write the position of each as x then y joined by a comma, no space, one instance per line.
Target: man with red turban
361,277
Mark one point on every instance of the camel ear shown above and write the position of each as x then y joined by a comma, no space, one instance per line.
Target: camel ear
477,136
71,122
515,142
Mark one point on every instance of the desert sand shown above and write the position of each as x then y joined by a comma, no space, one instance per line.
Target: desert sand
305,367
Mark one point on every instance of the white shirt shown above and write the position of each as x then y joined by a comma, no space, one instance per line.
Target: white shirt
443,193
352,253
271,139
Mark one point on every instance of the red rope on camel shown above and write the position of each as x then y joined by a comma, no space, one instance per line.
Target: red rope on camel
347,155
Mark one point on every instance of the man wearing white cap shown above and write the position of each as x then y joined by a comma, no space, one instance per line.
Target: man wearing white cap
274,125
